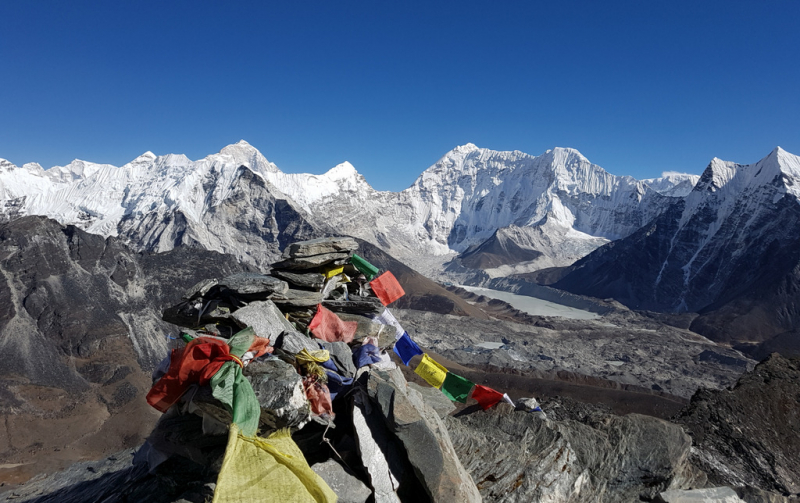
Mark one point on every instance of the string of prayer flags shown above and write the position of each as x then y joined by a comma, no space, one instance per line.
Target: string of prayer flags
406,349
486,397
386,288
508,400
327,326
456,388
431,371
364,267
387,318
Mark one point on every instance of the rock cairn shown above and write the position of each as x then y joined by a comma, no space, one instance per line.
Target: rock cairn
362,428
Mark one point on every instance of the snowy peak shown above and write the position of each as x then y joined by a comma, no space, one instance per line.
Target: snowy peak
672,183
244,154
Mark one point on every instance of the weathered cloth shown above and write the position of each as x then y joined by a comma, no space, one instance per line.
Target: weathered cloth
271,470
367,269
367,354
310,360
456,388
232,388
327,326
337,384
194,364
318,396
333,270
406,349
486,397
431,371
387,318
386,288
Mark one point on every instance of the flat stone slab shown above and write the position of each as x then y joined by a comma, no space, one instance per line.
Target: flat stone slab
320,246
252,283
293,342
200,289
313,261
357,305
296,298
311,280
265,318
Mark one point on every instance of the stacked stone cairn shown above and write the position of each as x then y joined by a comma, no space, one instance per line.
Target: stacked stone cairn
379,439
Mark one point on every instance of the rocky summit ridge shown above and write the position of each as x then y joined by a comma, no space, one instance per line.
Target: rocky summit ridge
376,431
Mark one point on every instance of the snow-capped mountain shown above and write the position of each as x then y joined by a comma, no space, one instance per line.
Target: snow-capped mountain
237,202
734,239
674,184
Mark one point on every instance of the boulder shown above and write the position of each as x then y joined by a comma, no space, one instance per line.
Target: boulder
293,342
342,356
347,487
319,247
279,390
265,318
435,399
423,436
248,283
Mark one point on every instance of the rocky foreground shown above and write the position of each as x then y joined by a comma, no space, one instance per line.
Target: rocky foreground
388,436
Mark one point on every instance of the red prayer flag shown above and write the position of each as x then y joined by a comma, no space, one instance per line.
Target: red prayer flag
486,397
387,288
327,326
195,363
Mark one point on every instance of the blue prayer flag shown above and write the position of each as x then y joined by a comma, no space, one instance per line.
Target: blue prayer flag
406,348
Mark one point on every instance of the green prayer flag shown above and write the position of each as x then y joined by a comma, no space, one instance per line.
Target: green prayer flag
367,269
232,388
456,388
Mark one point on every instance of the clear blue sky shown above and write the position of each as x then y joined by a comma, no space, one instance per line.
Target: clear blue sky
638,87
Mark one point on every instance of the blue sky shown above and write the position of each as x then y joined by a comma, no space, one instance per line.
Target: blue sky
638,87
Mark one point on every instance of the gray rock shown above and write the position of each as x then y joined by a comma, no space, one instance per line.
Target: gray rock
312,280
615,459
371,447
319,246
265,318
296,298
279,390
342,356
348,488
248,283
356,305
293,342
424,438
313,261
199,289
435,399
708,495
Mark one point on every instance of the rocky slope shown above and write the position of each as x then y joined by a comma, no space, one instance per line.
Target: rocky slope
730,250
81,319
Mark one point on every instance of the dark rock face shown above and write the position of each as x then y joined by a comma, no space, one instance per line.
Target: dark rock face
496,251
750,435
80,320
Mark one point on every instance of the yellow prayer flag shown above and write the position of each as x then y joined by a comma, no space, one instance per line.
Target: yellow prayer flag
258,470
431,371
332,271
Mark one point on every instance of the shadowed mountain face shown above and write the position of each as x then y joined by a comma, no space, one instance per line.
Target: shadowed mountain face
730,251
80,330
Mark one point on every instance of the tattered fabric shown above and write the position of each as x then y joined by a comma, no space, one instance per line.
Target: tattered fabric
367,354
310,360
194,364
230,387
431,371
330,328
271,470
318,396
337,383
386,288
456,388
486,397
406,349
387,318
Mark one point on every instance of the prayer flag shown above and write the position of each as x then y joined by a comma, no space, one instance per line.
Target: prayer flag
330,328
431,371
387,288
406,349
367,354
485,396
367,269
508,400
258,470
456,388
332,271
387,318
